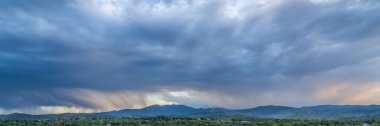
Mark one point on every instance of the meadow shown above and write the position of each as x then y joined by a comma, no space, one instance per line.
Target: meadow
183,121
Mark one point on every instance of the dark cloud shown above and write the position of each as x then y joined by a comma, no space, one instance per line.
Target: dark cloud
240,48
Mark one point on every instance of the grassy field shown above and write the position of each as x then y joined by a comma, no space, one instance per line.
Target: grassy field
182,121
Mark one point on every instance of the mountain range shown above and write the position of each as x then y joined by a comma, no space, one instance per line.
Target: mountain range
310,112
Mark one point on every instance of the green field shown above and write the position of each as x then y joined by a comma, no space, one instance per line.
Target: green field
183,121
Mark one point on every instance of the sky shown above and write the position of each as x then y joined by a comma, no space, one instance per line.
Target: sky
61,56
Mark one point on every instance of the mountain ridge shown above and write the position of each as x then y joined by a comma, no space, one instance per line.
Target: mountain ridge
269,111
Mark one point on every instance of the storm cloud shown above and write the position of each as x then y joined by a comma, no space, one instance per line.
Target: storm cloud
98,55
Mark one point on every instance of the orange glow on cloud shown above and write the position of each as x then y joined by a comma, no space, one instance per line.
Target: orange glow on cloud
350,93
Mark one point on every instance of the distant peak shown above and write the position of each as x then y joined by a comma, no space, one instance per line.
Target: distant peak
167,106
18,114
273,106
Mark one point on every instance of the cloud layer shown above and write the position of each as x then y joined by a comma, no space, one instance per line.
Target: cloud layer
105,54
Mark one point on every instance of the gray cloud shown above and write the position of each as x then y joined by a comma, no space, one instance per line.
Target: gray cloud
238,49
